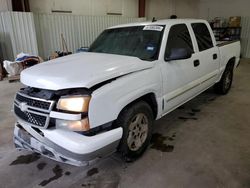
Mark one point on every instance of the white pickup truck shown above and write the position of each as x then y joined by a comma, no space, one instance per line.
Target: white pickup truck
84,106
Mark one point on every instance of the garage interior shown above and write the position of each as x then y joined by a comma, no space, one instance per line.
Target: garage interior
203,143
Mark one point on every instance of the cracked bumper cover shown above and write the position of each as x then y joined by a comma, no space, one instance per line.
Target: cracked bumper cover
67,147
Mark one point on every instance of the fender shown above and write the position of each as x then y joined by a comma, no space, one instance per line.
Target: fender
123,91
228,53
229,60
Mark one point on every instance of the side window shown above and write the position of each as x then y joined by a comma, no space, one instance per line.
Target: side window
178,38
203,36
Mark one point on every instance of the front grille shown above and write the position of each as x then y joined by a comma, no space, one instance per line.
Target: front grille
29,117
33,102
32,110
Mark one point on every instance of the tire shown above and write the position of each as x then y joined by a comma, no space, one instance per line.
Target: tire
225,83
136,121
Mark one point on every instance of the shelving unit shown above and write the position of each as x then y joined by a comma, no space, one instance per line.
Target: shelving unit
227,33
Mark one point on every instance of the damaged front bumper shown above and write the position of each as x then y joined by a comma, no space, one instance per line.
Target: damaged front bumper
32,139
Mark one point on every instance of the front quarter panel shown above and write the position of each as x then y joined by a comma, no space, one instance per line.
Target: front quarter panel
108,101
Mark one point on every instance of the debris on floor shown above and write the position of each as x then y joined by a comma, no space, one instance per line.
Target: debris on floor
158,142
92,171
58,172
62,53
26,159
21,62
82,49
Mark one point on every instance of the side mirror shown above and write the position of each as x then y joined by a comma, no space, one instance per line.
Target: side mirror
178,54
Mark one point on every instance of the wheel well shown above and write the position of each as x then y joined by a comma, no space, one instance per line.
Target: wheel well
231,62
149,98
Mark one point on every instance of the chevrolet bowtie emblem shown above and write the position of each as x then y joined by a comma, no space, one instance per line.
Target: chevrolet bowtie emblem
23,106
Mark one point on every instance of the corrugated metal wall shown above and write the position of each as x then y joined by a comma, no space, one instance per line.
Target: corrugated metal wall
3,5
17,34
40,34
78,31
6,51
245,37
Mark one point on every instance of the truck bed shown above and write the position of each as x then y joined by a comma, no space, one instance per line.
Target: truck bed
229,49
223,43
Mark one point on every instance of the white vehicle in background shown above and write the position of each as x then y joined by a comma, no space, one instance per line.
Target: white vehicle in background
84,106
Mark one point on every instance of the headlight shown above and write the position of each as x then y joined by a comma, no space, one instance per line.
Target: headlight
81,125
74,103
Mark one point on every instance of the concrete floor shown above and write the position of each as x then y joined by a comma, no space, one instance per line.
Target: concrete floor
205,143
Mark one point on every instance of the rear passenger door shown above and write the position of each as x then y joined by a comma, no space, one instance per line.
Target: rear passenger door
208,54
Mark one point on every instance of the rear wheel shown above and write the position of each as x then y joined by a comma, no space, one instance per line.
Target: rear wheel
224,85
136,121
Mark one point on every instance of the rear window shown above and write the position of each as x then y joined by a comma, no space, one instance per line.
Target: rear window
203,36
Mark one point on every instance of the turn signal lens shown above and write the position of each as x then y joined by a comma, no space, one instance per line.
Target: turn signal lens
82,125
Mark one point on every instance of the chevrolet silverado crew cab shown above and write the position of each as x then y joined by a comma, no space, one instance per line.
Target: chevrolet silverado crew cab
84,106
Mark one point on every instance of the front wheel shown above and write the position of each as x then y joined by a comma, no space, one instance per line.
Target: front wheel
224,85
136,122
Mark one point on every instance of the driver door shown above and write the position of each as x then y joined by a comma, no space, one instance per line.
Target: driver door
180,74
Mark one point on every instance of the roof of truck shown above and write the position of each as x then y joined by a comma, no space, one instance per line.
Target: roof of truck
159,22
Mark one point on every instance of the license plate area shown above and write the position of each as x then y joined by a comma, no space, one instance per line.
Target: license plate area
24,135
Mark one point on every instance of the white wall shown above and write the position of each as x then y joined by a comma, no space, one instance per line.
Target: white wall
162,9
127,8
5,5
210,9
154,8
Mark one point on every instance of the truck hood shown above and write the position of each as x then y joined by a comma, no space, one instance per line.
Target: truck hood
81,70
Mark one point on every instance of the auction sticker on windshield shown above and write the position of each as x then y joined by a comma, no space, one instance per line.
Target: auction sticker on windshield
153,28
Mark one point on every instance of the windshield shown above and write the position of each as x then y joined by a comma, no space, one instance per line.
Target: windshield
139,41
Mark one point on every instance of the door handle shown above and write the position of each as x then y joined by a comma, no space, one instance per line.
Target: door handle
215,56
196,63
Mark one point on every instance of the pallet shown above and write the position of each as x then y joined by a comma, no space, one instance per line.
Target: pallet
14,78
